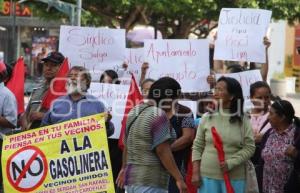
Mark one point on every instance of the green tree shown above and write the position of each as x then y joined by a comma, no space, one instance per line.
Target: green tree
1,4
174,18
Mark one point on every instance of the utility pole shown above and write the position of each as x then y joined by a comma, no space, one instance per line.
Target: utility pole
13,25
79,7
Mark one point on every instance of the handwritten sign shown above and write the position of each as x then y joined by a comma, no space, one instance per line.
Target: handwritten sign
97,49
193,105
245,78
114,98
240,34
134,57
187,61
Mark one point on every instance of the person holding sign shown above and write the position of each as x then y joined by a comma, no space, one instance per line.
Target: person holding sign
229,121
77,103
145,83
147,156
260,94
33,115
115,153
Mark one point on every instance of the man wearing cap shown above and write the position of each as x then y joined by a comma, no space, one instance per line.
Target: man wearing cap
33,115
8,105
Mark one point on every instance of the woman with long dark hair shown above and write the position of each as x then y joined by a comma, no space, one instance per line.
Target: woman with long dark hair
237,136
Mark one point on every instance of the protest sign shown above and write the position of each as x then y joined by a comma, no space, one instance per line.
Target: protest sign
114,98
134,58
193,105
97,49
187,61
240,35
71,156
245,78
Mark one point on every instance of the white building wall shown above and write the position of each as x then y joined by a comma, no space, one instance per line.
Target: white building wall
276,34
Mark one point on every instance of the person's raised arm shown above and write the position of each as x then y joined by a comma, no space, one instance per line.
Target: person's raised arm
265,67
144,69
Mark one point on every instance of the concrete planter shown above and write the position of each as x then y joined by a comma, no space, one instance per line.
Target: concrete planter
278,87
290,85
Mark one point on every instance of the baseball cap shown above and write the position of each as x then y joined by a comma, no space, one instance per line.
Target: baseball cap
55,57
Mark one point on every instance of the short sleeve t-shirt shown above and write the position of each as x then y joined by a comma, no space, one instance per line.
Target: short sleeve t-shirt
147,131
8,107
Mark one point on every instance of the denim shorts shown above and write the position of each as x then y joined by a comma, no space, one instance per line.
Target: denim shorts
144,189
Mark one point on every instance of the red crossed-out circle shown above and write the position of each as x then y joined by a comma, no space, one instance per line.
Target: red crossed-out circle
37,152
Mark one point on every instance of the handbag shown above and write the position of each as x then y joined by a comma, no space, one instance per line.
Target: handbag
251,185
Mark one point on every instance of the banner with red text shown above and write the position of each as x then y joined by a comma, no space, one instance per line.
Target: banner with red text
71,156
113,96
97,49
240,35
187,61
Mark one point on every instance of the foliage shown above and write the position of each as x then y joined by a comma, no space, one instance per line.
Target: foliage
1,4
174,18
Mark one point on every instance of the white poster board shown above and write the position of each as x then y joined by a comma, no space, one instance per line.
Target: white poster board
245,78
193,105
187,61
134,58
114,97
240,34
97,49
1,56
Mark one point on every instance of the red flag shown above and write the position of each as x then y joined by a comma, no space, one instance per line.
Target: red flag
221,155
134,98
58,85
16,83
188,179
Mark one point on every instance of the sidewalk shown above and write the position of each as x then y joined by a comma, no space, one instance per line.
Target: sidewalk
295,100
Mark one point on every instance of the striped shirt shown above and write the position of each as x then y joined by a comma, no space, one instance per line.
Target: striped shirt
150,129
